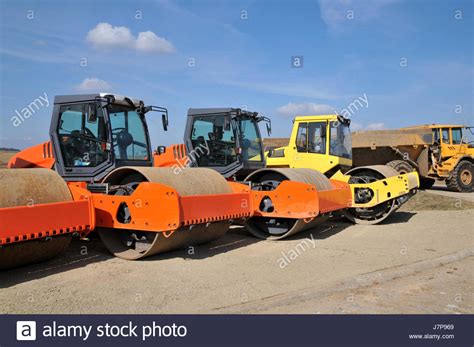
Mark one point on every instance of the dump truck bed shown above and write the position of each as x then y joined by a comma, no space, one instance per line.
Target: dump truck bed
389,138
379,147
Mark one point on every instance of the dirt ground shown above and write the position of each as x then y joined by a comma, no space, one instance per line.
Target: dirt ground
418,261
5,157
439,199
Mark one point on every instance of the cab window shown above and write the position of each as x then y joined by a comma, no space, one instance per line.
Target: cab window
317,137
129,137
201,130
340,143
445,135
457,136
436,136
250,140
301,138
213,141
82,135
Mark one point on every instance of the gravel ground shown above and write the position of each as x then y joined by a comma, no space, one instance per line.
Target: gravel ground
238,273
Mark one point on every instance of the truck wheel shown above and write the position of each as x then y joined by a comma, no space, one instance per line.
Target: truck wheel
461,178
401,166
426,182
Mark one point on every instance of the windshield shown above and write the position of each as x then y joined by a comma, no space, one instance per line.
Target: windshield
340,144
250,141
213,141
468,136
82,138
129,138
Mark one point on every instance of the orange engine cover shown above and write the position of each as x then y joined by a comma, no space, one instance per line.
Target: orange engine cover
175,155
39,156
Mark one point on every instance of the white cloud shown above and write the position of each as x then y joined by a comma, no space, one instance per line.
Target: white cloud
306,108
375,126
335,12
104,36
93,85
147,41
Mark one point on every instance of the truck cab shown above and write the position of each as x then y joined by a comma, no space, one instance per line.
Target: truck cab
453,155
453,139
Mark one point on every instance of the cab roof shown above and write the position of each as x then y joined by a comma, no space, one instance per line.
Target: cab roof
219,110
118,99
317,117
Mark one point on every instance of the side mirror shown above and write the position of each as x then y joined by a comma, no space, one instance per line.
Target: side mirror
271,152
161,150
268,123
91,114
164,120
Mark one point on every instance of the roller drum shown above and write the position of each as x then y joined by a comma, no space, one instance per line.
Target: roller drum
279,228
133,244
29,187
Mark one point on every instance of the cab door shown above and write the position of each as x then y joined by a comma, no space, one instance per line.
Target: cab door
311,146
80,140
460,146
445,141
300,146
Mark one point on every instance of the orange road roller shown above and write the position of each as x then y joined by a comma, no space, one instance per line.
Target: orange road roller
96,173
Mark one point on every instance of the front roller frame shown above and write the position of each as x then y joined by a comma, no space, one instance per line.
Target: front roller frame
26,223
386,189
289,200
298,200
301,200
159,208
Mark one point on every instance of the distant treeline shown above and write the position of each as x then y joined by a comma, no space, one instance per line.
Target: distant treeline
7,149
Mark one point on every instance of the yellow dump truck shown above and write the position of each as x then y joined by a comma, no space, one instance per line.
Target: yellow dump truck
436,152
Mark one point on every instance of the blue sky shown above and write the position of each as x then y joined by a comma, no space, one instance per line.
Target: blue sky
412,60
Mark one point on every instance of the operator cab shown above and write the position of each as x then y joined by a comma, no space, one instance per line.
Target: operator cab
453,135
225,139
93,134
451,140
323,142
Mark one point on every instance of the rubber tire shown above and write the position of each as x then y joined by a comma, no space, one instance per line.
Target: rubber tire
426,182
454,182
401,166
